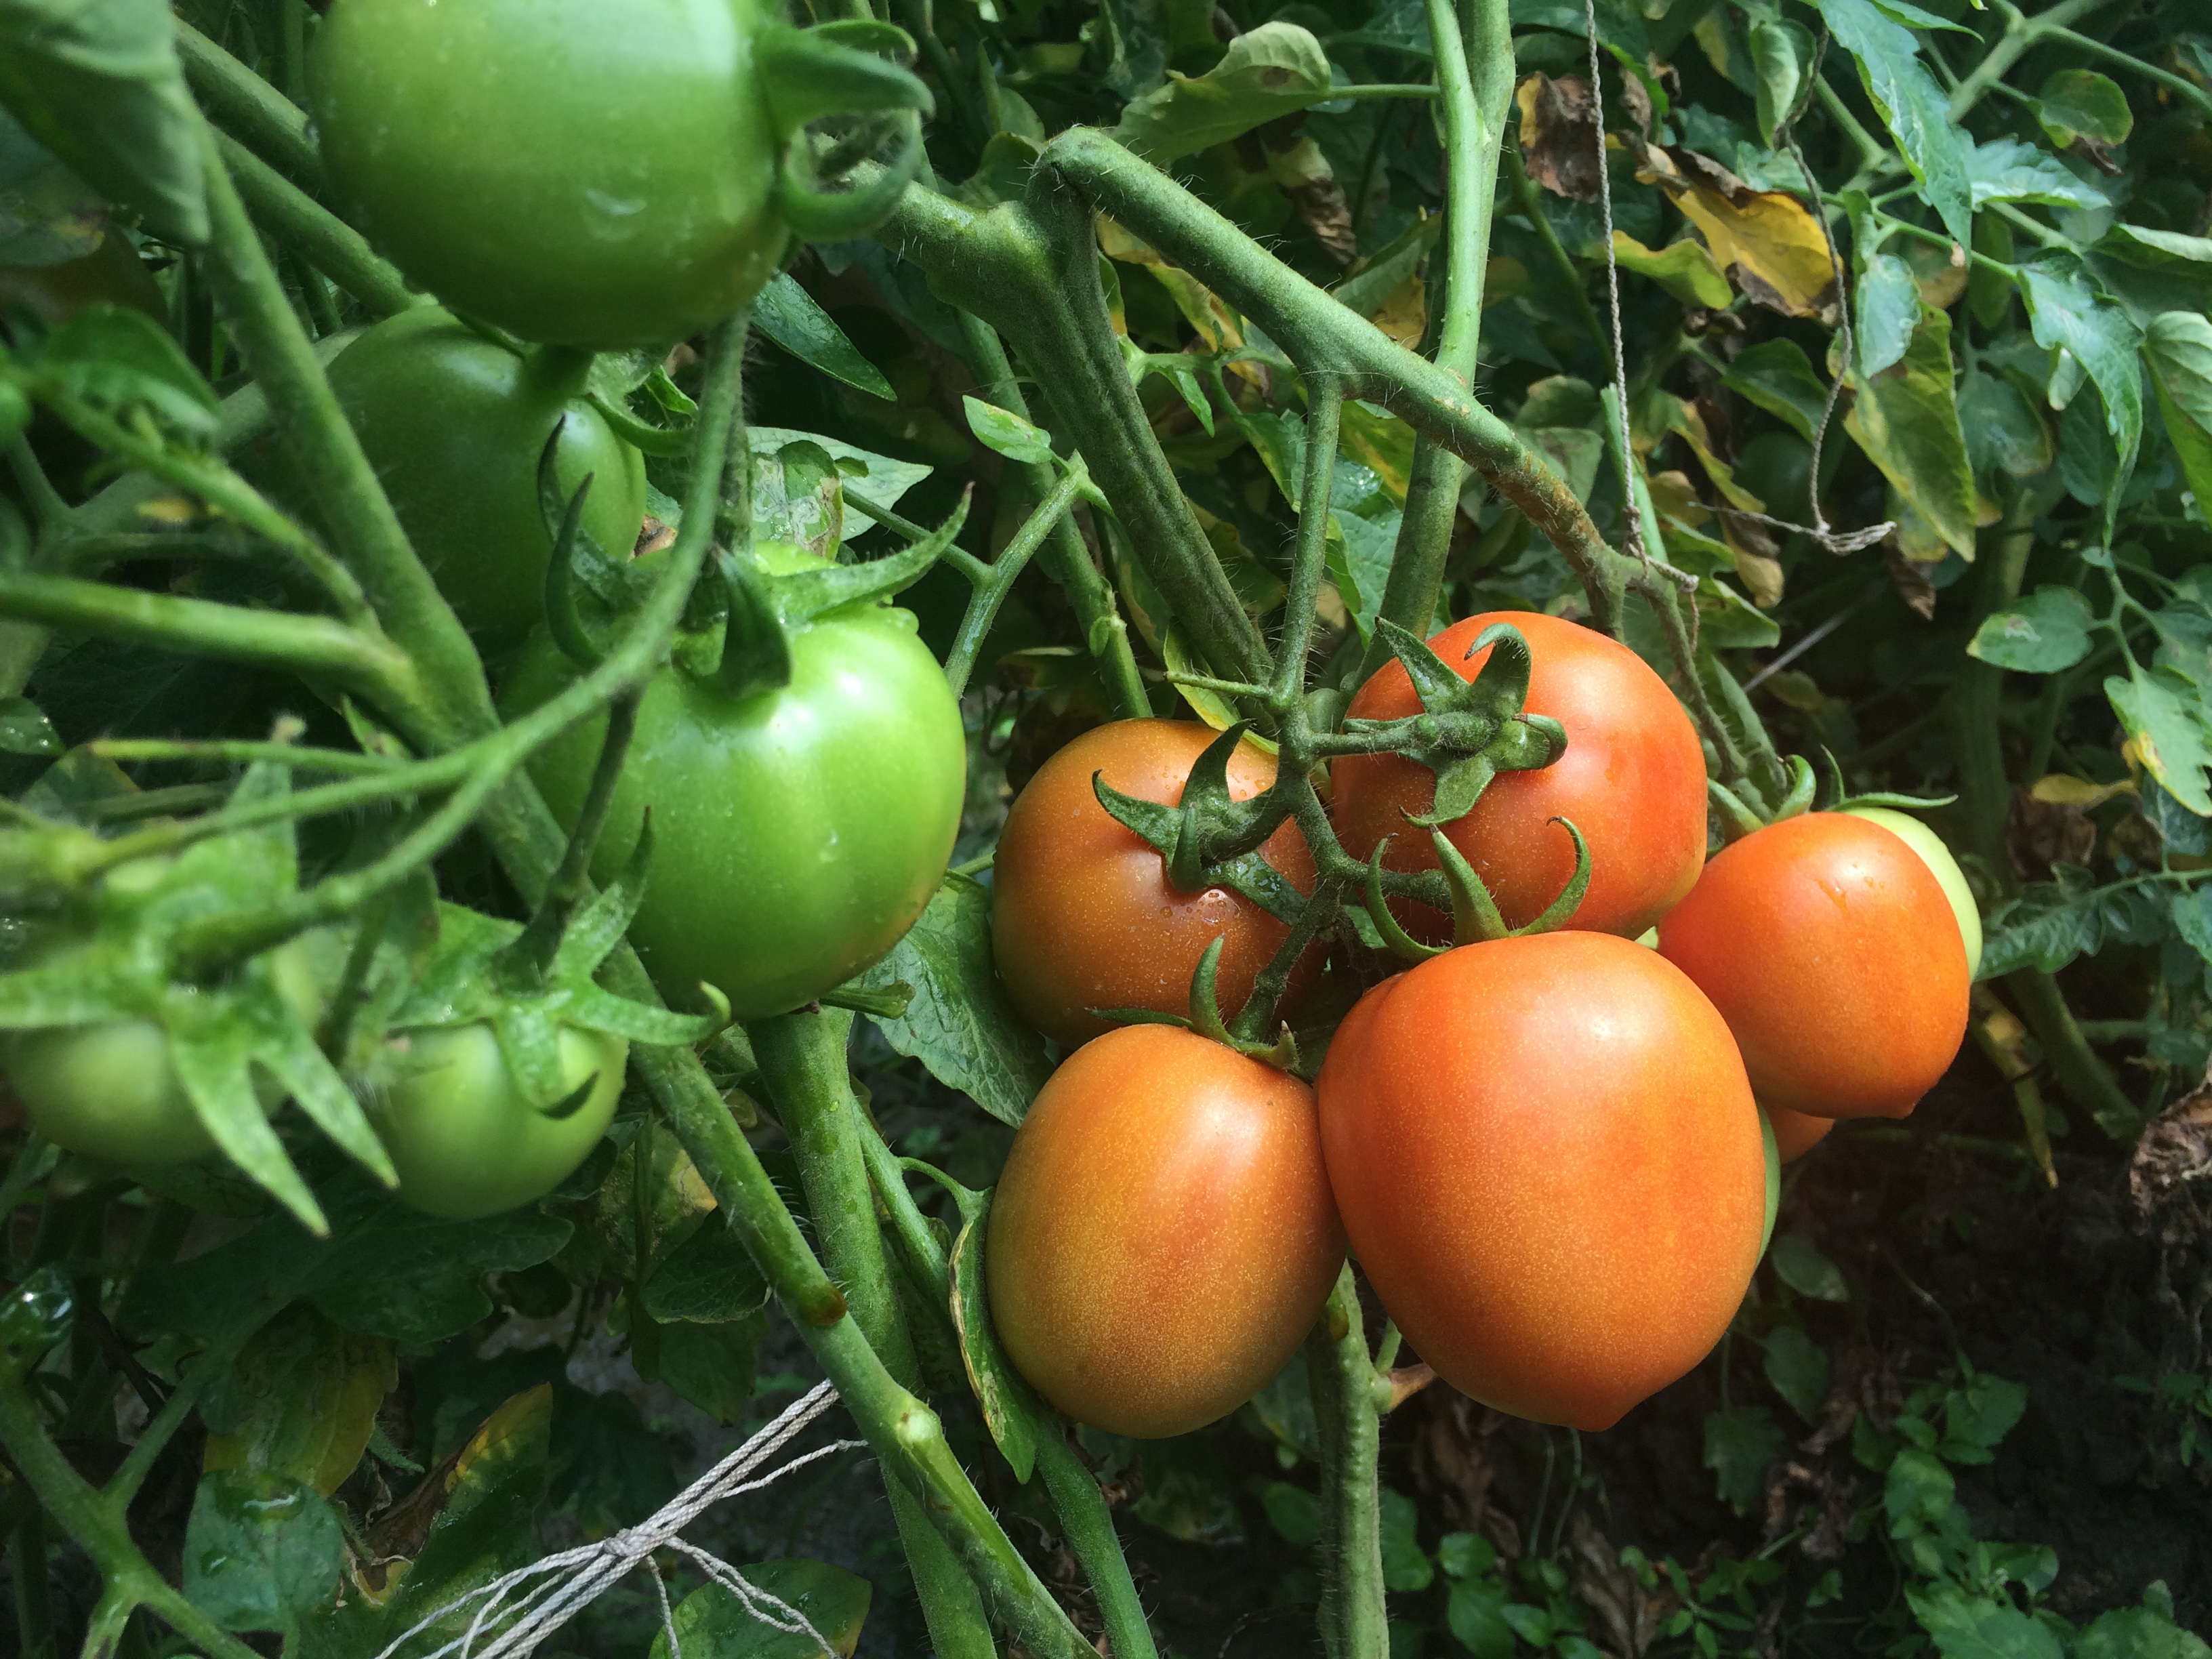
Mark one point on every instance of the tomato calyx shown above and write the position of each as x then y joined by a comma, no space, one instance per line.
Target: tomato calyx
1205,1017
838,68
1476,918
1742,809
1208,839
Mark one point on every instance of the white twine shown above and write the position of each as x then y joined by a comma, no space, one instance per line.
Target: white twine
1839,542
572,1579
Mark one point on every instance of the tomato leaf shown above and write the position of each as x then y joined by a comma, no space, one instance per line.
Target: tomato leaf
300,1402
260,1550
1914,107
712,1623
1906,420
959,1023
1274,70
1779,377
786,314
1799,1264
2159,709
2010,170
2039,634
1010,1410
1739,1443
1008,434
2064,310
1797,1367
2178,347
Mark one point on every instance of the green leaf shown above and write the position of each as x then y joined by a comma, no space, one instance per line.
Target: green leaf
712,1623
1739,1443
878,477
2160,711
1779,377
1978,1414
1964,1626
2005,431
1466,1554
708,1279
1359,556
1534,1626
1907,419
121,361
25,729
301,1401
48,215
1405,1567
786,314
1010,1410
2039,634
1917,1493
1782,54
2190,912
959,1023
1916,109
1888,307
1274,70
1008,434
1686,269
2063,310
1802,1267
1293,1511
260,1550
712,1366
2009,170
2142,1632
2080,103
98,83
1797,1367
1475,1615
2047,926
2178,347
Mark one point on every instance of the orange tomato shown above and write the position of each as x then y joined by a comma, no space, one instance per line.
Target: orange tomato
1162,1237
1548,1161
1632,778
1796,1135
1082,914
1833,954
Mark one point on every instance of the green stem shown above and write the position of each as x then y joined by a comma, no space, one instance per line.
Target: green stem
1324,413
1875,156
983,604
1032,271
2179,85
317,235
50,513
34,1610
1354,1621
1475,135
249,106
2020,32
1066,559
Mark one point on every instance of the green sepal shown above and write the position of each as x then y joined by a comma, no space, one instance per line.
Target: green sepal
883,1001
1395,939
755,654
1804,783
287,1050
212,1064
1475,916
565,523
597,1010
82,989
820,216
1468,731
529,1034
1561,910
1894,800
1205,1017
835,68
596,927
803,595
1188,834
1737,819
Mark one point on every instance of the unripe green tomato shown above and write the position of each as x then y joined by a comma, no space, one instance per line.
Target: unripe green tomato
797,833
109,1091
576,171
454,425
1945,868
1773,1177
465,1139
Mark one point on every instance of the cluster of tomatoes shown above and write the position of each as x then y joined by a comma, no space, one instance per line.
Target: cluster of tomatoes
1550,1153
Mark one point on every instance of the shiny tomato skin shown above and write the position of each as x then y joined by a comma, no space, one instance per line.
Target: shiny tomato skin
1833,954
1632,778
1163,1236
1796,1135
464,1138
1082,914
1549,1165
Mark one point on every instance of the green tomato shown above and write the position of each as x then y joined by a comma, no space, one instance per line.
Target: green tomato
1937,857
797,833
576,171
109,1091
465,1139
1773,1152
454,425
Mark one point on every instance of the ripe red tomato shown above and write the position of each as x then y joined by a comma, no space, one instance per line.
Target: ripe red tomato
1633,781
1796,1135
1082,915
1548,1161
1833,954
1162,1237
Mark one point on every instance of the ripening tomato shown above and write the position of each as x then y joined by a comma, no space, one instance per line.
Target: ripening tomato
1549,1164
1082,914
1162,1237
1834,955
1632,778
1941,865
1796,1135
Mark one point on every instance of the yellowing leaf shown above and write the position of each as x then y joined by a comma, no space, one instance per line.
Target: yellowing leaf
1217,324
1405,315
1274,70
2059,790
1907,419
1686,269
1378,439
1767,240
305,1401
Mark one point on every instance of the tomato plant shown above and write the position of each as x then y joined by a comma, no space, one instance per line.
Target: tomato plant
1833,954
455,425
468,1141
1549,1164
1083,914
797,832
1631,780
1163,1236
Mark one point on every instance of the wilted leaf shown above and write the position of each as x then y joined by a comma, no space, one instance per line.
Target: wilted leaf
2039,634
1274,70
786,314
959,1023
1559,135
1685,268
1907,419
1767,240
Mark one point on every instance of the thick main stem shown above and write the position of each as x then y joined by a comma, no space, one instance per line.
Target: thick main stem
1354,1621
802,1061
